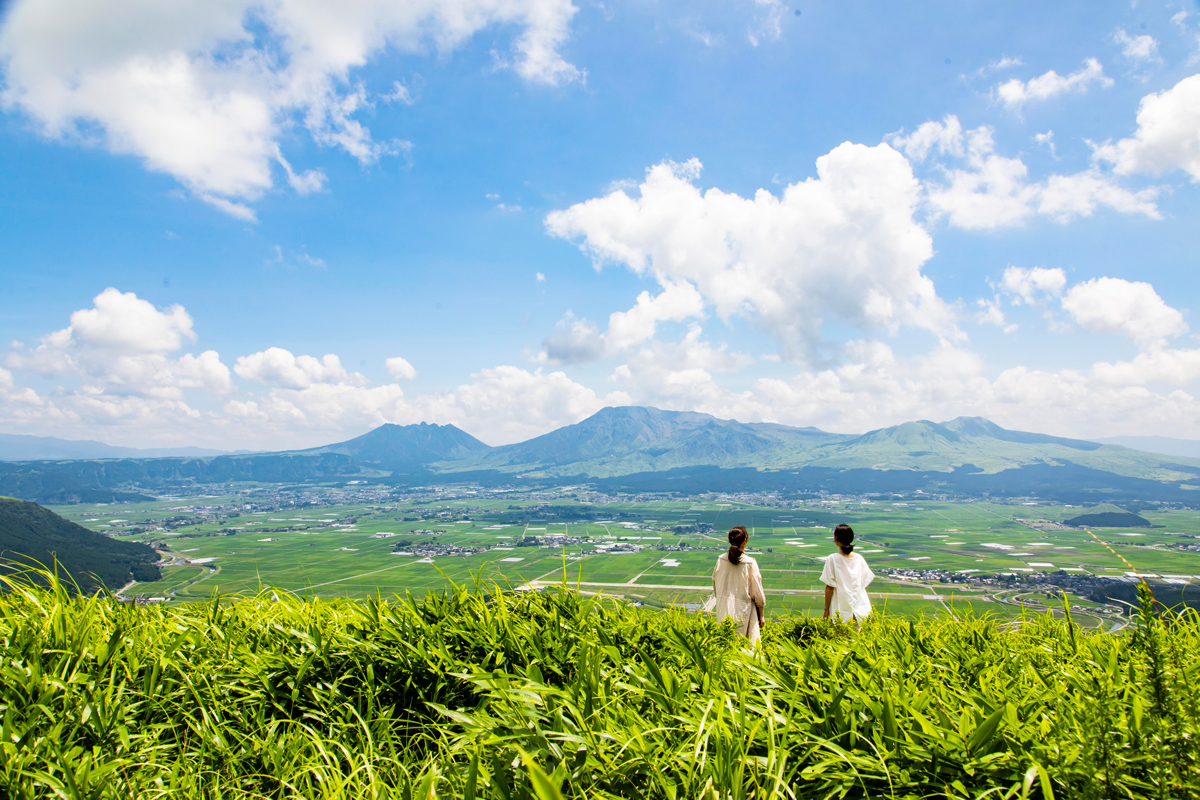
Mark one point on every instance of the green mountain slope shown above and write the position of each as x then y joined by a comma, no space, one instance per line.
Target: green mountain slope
975,441
407,448
630,439
31,533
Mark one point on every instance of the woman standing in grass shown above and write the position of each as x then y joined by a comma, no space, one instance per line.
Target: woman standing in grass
737,586
846,577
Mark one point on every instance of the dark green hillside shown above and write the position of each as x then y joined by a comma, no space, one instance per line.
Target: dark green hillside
30,533
553,696
1108,516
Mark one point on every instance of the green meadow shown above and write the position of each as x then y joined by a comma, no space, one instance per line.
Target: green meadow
553,695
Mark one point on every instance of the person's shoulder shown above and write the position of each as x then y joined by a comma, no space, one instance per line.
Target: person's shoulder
745,559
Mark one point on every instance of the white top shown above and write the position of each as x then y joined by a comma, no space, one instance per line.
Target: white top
849,576
737,588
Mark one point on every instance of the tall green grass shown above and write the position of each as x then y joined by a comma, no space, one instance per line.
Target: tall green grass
554,695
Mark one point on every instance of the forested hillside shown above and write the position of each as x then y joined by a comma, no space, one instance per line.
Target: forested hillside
30,533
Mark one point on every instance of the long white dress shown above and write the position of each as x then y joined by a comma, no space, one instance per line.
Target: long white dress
849,576
737,588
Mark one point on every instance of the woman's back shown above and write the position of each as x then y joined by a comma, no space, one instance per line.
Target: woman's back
849,575
739,592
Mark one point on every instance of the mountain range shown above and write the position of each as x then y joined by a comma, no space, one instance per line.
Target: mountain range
21,447
649,449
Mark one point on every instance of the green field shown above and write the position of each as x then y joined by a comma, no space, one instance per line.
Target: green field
333,550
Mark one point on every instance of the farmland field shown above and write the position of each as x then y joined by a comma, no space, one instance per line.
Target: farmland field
364,549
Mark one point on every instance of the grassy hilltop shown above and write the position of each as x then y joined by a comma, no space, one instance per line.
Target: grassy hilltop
558,696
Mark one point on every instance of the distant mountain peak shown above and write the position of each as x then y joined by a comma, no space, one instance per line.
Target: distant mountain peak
407,448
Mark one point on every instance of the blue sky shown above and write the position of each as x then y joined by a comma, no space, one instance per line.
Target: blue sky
243,224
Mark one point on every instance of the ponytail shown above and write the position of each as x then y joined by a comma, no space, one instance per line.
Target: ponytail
844,536
737,542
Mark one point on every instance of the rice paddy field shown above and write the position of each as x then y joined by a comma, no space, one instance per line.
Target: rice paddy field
553,695
351,551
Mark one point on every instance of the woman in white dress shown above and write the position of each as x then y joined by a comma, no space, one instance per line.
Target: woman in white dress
737,586
846,577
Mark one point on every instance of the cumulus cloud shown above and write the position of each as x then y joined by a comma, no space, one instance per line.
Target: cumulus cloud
1137,49
992,191
1167,136
990,313
679,375
121,344
202,90
1032,286
574,341
946,137
844,243
1164,365
676,303
1015,93
500,405
400,369
1125,308
278,367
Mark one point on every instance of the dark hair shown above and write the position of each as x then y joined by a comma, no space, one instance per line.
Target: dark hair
737,541
843,534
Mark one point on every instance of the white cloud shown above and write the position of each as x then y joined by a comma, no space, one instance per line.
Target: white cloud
993,191
1165,365
1065,197
1032,286
676,303
767,25
679,375
278,367
574,341
1138,49
130,324
876,389
1126,308
1047,139
990,313
1167,137
312,180
540,277
846,240
500,405
945,136
400,94
1016,93
121,345
400,369
202,90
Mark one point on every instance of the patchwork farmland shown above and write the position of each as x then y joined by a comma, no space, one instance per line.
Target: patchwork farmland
932,558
